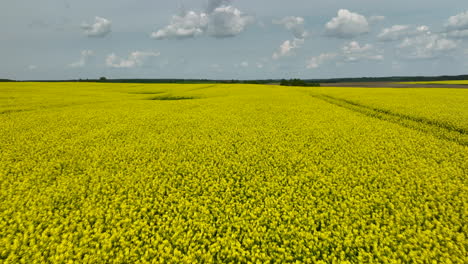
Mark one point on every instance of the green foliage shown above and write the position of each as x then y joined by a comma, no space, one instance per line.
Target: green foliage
423,79
97,173
393,79
298,82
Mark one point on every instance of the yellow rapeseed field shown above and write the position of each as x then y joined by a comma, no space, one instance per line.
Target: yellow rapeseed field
206,173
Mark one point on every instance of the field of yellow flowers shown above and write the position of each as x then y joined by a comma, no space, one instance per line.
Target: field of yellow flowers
204,173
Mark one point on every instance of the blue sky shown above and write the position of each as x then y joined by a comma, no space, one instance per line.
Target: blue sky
222,39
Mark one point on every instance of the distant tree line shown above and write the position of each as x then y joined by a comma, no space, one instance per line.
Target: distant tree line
186,81
394,79
267,81
292,82
298,82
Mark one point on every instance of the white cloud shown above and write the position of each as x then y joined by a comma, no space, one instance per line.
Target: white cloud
395,32
420,43
347,25
227,21
260,65
287,48
189,25
457,26
426,46
354,47
85,55
220,21
100,28
353,52
135,59
458,22
295,25
315,62
422,30
213,4
244,64
399,32
32,67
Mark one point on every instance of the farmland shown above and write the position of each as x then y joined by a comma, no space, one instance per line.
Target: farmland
233,173
459,82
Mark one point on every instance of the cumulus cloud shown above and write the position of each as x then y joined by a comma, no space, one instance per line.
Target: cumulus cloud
422,30
399,32
188,25
353,52
135,59
101,28
287,48
458,22
227,21
347,25
350,52
457,26
393,33
296,26
213,4
418,42
220,20
85,55
293,24
426,46
315,62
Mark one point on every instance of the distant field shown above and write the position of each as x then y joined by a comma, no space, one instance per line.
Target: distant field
465,82
232,173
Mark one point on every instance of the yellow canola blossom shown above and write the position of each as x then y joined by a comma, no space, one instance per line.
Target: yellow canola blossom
220,173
